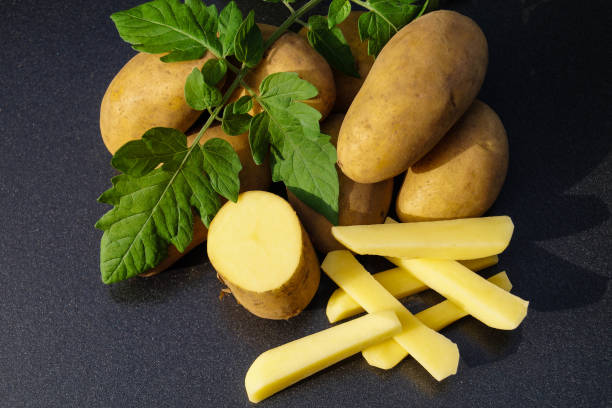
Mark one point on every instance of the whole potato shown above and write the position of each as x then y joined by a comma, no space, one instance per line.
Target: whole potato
359,204
348,86
423,80
252,177
144,94
463,175
291,53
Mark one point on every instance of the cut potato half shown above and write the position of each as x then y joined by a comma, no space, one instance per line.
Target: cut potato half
262,253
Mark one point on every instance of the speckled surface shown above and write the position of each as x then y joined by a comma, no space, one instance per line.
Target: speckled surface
67,340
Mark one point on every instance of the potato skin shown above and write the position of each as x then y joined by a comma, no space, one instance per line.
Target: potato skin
463,175
348,86
423,80
144,94
358,204
252,177
291,53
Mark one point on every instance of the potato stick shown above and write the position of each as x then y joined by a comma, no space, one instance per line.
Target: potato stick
467,238
400,284
437,354
285,365
388,353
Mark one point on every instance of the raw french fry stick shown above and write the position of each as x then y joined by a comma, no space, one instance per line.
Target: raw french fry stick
389,353
400,284
437,354
285,365
467,238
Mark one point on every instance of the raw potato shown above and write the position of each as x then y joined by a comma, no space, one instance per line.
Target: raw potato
437,354
348,86
389,353
285,365
144,94
399,283
423,80
252,177
358,204
463,175
264,256
291,53
466,238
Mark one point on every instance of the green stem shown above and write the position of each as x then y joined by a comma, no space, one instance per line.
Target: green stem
365,5
292,19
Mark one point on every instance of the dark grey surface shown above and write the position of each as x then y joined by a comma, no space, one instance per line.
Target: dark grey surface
68,340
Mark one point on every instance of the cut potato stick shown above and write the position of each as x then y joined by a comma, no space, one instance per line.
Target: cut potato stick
467,238
285,365
400,284
468,290
437,354
389,353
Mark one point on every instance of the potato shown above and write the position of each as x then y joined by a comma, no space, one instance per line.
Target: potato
348,86
358,203
144,94
291,53
252,177
263,254
423,80
463,175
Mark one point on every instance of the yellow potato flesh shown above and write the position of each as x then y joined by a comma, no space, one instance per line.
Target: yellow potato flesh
285,365
437,354
467,238
400,284
388,353
468,290
256,243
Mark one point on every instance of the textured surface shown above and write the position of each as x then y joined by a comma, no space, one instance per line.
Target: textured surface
68,340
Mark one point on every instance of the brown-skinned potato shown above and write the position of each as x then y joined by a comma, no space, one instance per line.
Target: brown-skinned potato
463,175
146,93
358,204
423,80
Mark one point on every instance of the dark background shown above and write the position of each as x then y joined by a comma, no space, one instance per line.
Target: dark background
66,339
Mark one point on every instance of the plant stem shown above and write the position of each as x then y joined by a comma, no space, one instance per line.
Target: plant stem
292,19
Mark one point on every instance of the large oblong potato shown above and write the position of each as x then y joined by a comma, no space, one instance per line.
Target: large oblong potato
359,204
423,80
463,175
146,93
292,53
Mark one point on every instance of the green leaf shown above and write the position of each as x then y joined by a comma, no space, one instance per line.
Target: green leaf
236,120
338,11
222,165
332,45
200,95
208,19
307,167
158,145
375,30
213,71
248,43
287,85
230,19
259,137
397,12
163,26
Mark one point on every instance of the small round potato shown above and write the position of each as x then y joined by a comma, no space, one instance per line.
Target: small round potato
146,93
463,175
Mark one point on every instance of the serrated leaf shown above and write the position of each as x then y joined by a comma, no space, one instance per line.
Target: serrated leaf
230,19
184,55
204,197
158,145
397,12
332,45
162,26
287,85
248,43
338,11
222,165
208,19
259,137
213,71
375,30
236,120
307,167
198,94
